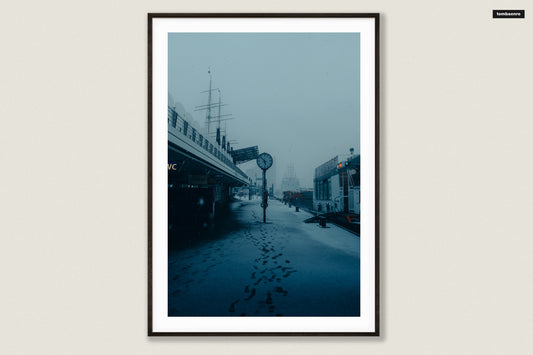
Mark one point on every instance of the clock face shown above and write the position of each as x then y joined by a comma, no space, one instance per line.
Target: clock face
264,161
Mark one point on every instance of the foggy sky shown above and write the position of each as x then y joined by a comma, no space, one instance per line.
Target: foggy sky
295,95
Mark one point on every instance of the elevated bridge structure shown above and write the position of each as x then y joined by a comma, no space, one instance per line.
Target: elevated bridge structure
199,157
201,172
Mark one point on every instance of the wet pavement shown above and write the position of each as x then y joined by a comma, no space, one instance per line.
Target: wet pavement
244,267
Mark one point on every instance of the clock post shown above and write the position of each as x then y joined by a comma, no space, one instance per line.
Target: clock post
265,196
264,161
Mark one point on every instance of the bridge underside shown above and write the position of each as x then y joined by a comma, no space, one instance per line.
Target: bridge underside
196,189
185,169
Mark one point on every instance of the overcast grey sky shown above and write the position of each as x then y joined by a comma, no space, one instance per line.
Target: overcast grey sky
295,95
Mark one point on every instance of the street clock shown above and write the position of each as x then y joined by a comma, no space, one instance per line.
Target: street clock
264,161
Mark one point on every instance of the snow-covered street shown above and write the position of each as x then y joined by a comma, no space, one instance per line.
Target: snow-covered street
284,267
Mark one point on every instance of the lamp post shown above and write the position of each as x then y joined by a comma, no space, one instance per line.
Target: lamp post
265,196
264,161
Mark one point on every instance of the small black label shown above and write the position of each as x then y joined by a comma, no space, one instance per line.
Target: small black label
508,13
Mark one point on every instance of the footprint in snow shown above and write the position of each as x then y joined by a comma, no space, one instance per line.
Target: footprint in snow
232,306
251,295
281,290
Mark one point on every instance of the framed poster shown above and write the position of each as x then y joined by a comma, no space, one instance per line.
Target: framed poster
263,174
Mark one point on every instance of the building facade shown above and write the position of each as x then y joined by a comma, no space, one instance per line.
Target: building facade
337,186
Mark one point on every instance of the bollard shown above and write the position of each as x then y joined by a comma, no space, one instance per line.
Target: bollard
322,222
297,209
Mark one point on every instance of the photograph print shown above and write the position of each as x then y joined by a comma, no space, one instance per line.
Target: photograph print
263,174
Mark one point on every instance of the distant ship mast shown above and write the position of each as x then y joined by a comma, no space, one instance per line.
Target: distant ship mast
208,117
209,105
220,140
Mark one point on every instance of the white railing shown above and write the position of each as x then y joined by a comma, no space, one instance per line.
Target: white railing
182,129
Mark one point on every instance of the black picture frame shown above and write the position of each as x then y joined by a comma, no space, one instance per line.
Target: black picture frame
375,331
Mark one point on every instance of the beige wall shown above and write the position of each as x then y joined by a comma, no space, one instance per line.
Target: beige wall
457,240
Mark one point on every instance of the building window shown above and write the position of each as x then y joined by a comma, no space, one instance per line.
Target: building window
324,189
174,118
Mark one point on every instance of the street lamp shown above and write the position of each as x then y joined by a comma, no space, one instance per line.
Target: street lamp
264,161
